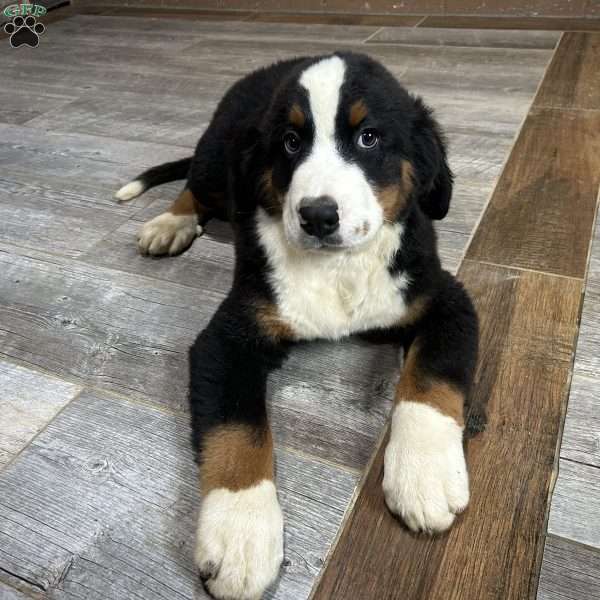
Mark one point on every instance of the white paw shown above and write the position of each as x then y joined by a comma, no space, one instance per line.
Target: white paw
239,545
425,478
130,191
168,234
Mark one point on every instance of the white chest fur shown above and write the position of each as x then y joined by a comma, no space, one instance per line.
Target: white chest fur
329,295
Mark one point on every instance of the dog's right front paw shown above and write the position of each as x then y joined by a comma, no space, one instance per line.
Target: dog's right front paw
239,545
168,234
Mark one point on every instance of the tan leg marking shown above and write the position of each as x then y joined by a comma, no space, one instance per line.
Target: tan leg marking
414,387
235,457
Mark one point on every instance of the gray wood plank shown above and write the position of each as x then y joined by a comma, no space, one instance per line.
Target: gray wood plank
485,38
59,227
587,358
575,510
130,334
208,263
581,435
570,571
22,103
9,593
110,487
222,30
76,170
29,401
100,326
162,118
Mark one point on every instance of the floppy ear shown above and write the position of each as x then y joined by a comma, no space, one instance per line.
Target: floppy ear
432,173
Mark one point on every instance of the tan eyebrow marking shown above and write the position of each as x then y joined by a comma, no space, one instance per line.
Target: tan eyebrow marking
296,116
358,111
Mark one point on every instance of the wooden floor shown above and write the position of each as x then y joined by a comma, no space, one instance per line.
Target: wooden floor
97,483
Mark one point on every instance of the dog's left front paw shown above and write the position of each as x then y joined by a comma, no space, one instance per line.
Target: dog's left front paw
425,478
240,541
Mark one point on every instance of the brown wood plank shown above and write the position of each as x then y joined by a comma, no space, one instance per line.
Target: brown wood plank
549,8
541,214
494,549
481,22
338,19
572,78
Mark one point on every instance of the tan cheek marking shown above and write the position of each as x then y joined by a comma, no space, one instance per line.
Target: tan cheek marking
358,111
414,387
271,324
296,116
235,457
394,198
272,198
186,204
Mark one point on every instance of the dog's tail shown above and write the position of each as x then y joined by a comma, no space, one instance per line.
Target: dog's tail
171,171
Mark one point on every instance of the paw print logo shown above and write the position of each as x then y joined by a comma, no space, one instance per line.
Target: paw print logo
24,32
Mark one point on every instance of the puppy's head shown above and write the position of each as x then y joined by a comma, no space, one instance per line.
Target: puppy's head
347,149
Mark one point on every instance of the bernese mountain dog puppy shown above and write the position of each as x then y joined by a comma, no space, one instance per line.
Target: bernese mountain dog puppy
330,174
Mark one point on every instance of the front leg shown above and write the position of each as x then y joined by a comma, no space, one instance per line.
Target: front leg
425,478
239,545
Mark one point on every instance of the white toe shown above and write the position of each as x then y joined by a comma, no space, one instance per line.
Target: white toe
425,478
240,541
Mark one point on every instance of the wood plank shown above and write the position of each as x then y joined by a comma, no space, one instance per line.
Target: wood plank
530,23
581,436
129,334
110,487
9,593
485,38
575,512
587,361
571,81
516,8
541,214
76,170
29,402
226,30
22,103
570,571
493,549
337,18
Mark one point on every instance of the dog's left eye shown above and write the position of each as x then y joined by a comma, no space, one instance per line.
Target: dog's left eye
368,139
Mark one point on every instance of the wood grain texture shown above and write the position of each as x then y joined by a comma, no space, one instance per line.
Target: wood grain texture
554,8
530,23
541,214
485,38
29,401
133,468
9,593
571,81
575,512
581,436
337,19
570,571
129,334
493,549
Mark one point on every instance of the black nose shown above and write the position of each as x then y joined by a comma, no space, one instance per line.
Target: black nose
319,216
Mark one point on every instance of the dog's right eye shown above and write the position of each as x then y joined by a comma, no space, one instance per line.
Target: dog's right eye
291,142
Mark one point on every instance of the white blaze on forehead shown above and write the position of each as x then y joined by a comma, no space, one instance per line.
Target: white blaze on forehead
323,81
